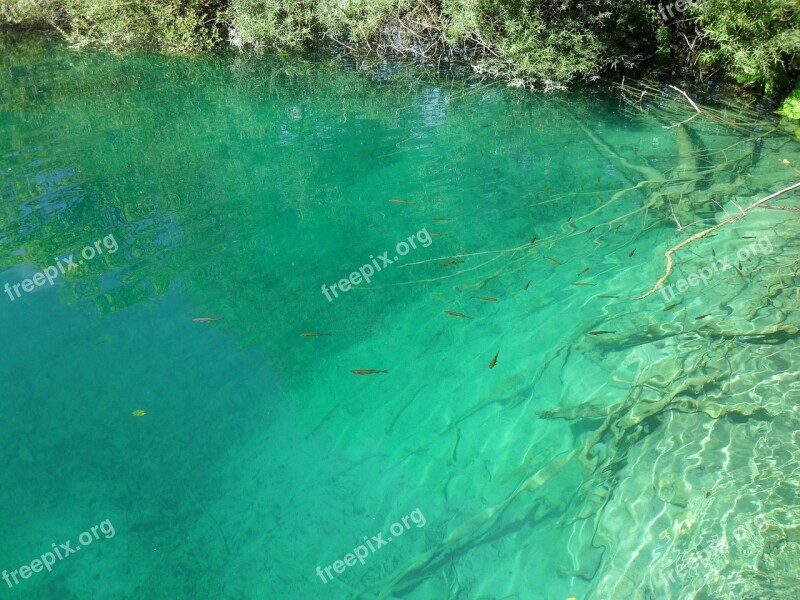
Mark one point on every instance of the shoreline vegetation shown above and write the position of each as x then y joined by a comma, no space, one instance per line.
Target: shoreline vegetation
539,44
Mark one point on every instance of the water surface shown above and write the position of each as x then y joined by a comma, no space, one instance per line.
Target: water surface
614,449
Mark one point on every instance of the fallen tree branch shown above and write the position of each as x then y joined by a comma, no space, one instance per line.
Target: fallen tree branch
685,95
694,116
789,208
668,254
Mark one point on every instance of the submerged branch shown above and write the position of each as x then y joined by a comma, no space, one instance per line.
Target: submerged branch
685,95
668,254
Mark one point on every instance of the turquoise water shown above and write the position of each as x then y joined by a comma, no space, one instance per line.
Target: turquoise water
547,441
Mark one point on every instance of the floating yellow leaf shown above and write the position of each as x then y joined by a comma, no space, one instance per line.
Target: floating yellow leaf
138,413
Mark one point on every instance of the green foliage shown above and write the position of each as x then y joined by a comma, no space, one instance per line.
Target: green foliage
552,40
360,21
791,106
756,41
663,52
547,43
273,23
288,24
171,26
26,11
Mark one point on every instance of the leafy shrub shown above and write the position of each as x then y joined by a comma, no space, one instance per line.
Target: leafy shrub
791,106
289,24
173,26
273,23
552,40
756,41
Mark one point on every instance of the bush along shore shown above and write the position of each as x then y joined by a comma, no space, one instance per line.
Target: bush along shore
542,44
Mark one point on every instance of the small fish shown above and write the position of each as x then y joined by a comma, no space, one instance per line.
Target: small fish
590,229
601,332
313,334
440,219
544,190
533,241
744,237
582,284
713,253
670,307
584,271
485,298
366,371
702,317
606,296
138,413
396,201
493,362
571,224
208,319
451,263
632,252
600,199
456,314
528,284
553,260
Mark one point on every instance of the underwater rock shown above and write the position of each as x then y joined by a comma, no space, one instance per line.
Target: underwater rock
670,488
